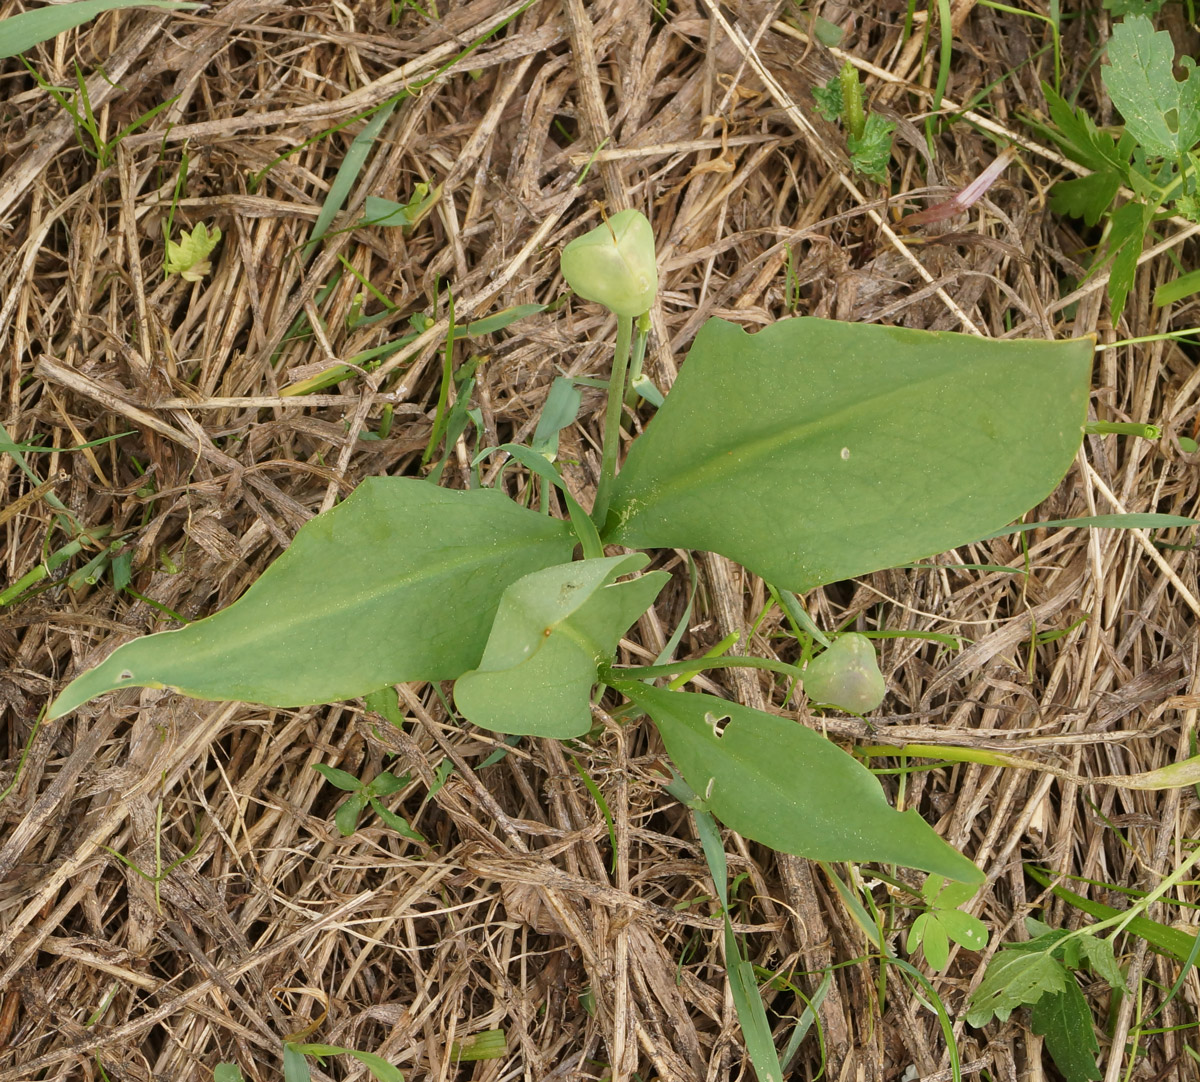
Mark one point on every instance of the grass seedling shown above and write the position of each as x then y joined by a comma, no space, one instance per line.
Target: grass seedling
160,871
76,102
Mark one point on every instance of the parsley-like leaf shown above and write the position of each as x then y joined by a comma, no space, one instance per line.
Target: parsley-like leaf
189,256
1161,112
1065,1020
1015,978
869,155
1085,197
1129,224
829,99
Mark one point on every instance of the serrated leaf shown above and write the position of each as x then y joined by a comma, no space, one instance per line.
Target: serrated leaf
871,152
551,631
1161,112
1015,978
1078,135
1098,953
1126,235
829,99
188,257
780,783
341,778
814,451
1065,1020
399,582
1086,197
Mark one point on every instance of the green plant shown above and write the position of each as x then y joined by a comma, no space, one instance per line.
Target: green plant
943,921
810,452
783,460
364,794
868,135
1154,155
188,257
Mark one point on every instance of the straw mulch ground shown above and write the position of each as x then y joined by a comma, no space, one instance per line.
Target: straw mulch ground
275,924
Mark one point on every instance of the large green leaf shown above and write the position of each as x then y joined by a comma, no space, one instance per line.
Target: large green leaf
814,451
551,631
399,582
782,784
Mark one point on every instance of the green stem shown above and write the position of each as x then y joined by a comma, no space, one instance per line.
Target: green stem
612,421
639,356
699,664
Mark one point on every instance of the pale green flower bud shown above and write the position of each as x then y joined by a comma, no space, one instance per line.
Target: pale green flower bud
846,675
614,264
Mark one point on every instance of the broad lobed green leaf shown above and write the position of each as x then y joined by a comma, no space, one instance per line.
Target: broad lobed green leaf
814,451
399,582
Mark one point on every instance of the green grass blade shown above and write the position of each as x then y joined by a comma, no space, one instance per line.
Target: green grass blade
30,28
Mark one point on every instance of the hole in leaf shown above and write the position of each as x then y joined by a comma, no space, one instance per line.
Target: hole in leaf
717,723
126,675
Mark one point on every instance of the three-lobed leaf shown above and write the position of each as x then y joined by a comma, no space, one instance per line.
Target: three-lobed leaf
780,783
814,451
399,582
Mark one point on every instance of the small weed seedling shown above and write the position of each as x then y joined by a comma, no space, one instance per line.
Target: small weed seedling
1154,155
868,135
810,452
364,794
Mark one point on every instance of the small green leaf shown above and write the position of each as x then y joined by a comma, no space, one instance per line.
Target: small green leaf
1078,135
947,895
377,1065
1065,1020
1015,978
1126,235
385,701
829,99
1183,286
188,257
346,817
295,1066
487,1044
1086,197
871,152
966,930
397,822
1098,953
341,778
384,784
1161,112
228,1072
780,783
935,943
551,631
